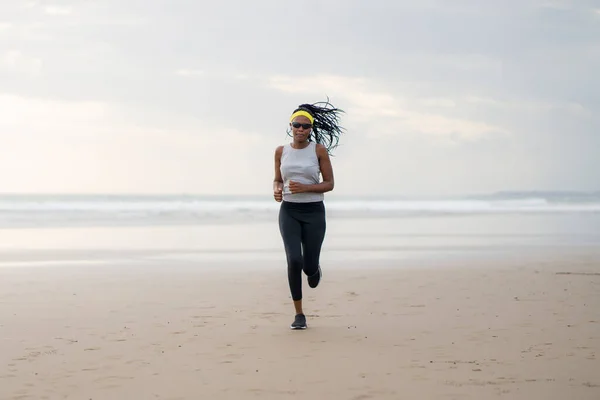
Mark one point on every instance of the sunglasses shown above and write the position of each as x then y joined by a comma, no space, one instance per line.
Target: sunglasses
298,125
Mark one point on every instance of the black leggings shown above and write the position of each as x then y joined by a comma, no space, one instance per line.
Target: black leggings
302,227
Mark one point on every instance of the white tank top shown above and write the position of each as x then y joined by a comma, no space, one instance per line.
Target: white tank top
302,166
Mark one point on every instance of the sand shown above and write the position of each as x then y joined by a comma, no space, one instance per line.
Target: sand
128,331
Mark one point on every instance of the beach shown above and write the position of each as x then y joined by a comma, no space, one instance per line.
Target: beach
125,332
452,307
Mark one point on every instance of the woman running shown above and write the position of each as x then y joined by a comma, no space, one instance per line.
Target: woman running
297,185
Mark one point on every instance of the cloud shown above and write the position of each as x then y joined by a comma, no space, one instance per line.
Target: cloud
514,105
91,146
49,9
58,10
189,72
17,62
557,4
63,120
173,87
391,113
572,108
21,114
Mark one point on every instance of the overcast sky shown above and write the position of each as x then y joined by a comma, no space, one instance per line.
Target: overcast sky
443,97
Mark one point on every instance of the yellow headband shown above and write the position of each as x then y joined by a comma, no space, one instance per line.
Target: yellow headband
304,114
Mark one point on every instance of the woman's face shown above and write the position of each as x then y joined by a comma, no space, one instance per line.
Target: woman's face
301,128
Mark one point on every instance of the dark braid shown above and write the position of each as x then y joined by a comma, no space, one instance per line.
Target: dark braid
325,130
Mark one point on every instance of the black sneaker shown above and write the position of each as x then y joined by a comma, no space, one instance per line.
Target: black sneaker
313,281
299,322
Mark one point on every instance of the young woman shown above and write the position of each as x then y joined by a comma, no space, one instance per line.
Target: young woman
297,185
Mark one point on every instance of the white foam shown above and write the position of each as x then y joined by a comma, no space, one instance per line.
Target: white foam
80,210
232,205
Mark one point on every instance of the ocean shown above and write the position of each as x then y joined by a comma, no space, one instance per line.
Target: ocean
18,211
191,229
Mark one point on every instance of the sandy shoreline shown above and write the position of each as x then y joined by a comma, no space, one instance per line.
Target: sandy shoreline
127,332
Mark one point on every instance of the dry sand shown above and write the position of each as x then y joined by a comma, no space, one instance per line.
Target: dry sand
127,332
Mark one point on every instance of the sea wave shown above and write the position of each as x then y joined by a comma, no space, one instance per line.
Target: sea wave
175,204
43,210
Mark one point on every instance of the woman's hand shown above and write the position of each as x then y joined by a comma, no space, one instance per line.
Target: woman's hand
278,191
296,187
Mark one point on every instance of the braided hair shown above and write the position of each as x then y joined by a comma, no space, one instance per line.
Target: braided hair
326,129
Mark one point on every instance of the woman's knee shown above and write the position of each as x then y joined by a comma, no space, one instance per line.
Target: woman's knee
295,262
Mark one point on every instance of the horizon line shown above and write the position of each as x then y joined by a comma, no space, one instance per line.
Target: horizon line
267,194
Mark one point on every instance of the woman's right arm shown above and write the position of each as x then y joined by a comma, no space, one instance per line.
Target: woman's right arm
278,180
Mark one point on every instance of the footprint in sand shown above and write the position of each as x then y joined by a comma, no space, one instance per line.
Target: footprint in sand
35,353
591,385
69,341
